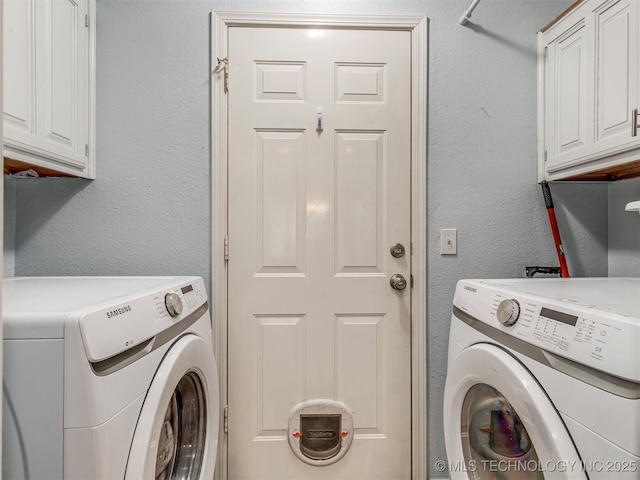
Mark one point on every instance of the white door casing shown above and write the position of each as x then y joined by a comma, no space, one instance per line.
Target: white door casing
286,268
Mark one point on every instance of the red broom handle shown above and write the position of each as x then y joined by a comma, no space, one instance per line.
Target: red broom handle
564,271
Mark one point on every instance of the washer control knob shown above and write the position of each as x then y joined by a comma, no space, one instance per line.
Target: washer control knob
173,304
508,312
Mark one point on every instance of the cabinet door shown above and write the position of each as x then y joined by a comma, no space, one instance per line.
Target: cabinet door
47,75
62,79
617,35
19,69
569,131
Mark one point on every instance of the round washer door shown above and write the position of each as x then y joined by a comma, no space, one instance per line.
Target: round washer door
177,432
500,424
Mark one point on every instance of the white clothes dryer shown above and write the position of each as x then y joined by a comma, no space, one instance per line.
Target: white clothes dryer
543,379
108,378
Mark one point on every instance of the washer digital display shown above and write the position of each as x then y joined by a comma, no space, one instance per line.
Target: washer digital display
559,316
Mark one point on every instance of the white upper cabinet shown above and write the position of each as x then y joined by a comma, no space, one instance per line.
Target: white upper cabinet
48,74
589,93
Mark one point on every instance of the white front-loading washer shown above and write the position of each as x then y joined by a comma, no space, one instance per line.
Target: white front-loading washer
108,378
543,379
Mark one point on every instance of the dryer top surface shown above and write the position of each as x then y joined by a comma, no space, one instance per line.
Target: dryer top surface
64,295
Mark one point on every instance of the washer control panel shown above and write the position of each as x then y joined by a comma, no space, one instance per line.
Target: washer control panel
136,318
556,330
602,340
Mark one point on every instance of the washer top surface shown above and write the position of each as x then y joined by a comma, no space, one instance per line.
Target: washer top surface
620,296
62,295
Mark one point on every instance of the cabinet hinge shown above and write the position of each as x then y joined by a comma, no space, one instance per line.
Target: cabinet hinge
86,150
411,280
86,21
545,155
226,248
226,419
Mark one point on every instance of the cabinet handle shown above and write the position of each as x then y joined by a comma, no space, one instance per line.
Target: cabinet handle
634,123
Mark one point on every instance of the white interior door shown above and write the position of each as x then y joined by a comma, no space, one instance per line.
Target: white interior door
313,210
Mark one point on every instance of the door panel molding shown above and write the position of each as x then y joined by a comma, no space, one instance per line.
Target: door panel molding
417,25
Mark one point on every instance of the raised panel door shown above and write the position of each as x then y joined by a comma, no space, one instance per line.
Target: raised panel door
590,88
569,102
312,213
19,69
62,80
617,34
47,76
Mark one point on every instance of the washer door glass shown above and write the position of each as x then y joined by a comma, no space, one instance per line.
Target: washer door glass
183,433
176,437
499,422
494,439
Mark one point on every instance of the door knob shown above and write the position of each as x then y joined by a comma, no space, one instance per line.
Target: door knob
398,282
397,250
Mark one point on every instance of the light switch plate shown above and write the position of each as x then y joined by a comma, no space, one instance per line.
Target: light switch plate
448,241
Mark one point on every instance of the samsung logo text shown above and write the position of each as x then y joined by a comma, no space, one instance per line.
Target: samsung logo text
119,311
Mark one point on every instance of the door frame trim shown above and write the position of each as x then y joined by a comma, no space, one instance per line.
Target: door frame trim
221,21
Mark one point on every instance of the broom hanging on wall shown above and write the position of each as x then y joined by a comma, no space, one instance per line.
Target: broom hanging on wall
564,271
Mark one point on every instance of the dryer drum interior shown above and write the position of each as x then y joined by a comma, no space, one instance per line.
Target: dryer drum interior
183,434
492,433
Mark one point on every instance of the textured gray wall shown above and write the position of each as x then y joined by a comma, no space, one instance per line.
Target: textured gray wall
482,168
624,229
148,211
9,229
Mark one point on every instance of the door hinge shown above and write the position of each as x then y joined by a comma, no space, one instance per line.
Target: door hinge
226,419
545,155
223,64
226,248
86,21
86,149
411,280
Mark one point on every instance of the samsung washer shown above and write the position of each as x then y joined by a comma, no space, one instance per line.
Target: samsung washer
543,379
108,378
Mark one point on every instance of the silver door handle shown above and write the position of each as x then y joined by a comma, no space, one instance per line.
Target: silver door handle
398,282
